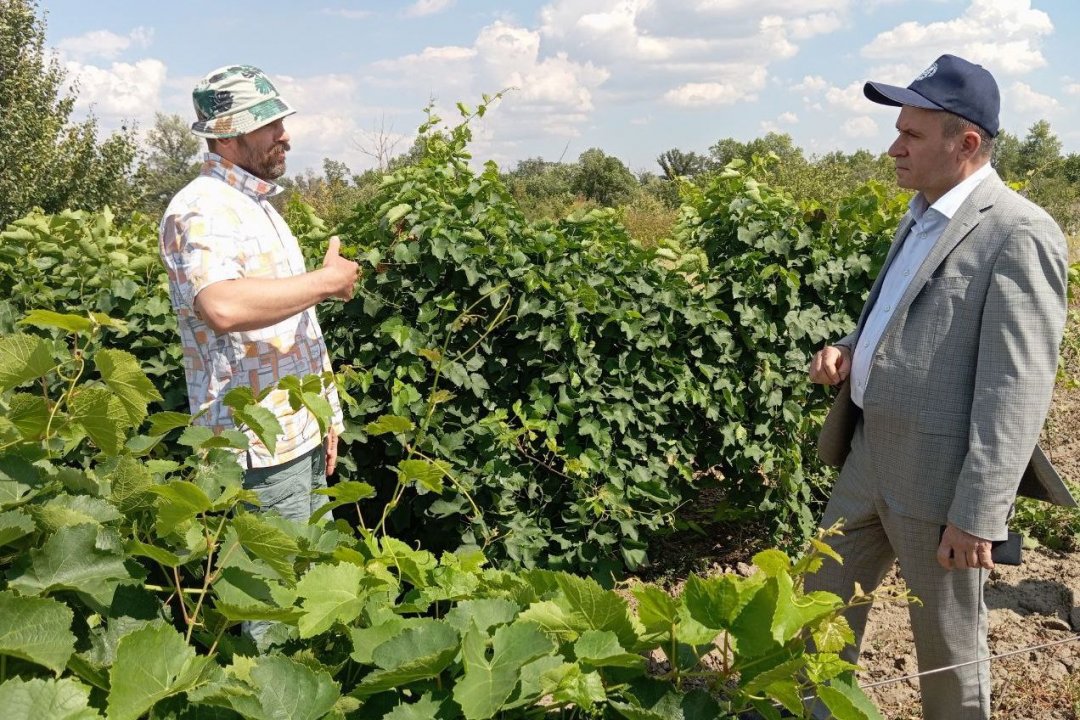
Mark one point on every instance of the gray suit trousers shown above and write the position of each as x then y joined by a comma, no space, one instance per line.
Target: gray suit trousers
951,625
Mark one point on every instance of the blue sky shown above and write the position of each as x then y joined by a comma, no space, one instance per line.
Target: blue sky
633,77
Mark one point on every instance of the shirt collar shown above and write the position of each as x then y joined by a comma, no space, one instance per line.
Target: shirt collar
950,202
237,177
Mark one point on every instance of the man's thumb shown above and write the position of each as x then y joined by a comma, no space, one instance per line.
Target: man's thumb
334,247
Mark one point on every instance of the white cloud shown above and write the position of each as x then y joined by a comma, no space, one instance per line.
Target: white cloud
123,91
1003,35
552,94
860,127
849,99
103,44
655,32
741,85
427,7
816,24
1029,102
777,126
1073,89
811,83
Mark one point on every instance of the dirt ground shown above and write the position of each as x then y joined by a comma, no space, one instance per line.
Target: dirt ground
1032,604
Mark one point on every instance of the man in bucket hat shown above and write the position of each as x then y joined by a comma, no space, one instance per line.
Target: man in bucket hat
946,381
243,298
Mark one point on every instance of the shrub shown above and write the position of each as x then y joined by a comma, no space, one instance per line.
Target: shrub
581,382
787,278
123,581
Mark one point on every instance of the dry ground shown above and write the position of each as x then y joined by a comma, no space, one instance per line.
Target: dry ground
1033,604
1030,605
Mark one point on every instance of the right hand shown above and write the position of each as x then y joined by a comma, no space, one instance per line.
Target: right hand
342,273
831,365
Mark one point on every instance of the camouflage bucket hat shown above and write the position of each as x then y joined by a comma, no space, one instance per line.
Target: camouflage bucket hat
235,100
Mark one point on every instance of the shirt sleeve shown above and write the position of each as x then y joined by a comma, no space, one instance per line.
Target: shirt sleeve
199,249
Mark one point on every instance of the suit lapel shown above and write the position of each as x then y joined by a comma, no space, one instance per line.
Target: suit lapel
965,220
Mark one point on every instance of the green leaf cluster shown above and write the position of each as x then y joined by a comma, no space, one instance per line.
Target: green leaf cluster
580,385
85,264
124,582
553,391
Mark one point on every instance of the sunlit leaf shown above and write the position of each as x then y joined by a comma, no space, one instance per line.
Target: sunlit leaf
49,320
36,629
23,358
152,663
121,372
41,699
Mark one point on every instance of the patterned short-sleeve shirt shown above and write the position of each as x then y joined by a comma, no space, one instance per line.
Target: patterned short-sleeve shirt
222,227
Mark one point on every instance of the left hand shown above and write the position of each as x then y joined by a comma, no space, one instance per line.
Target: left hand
331,451
960,550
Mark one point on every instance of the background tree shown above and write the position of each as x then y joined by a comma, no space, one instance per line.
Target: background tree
676,163
1006,158
46,160
603,178
1046,176
170,163
541,187
1040,152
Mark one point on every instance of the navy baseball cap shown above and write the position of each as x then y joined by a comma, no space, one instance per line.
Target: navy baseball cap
951,83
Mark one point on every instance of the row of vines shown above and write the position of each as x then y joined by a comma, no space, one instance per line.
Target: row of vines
127,576
524,399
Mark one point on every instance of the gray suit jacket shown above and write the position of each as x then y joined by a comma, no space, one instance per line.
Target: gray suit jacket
962,377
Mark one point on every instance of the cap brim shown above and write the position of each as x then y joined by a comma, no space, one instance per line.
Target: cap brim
897,96
243,121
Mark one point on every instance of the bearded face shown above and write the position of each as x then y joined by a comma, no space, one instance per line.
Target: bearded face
262,152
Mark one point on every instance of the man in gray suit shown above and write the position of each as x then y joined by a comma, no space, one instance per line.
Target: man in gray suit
950,372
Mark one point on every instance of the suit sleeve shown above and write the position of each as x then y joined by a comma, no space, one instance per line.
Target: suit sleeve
1022,323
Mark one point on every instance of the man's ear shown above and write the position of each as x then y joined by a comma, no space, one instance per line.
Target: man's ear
970,144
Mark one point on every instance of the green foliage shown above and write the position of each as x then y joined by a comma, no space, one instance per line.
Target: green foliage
541,189
787,279
1035,165
47,161
84,263
647,218
126,607
575,383
825,180
332,195
557,387
601,177
170,163
675,163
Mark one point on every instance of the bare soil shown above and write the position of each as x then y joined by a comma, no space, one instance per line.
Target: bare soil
1030,605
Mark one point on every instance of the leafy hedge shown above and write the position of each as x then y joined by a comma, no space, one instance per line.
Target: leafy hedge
123,581
583,384
577,387
81,262
788,278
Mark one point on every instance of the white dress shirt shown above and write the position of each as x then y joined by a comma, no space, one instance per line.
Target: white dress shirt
930,223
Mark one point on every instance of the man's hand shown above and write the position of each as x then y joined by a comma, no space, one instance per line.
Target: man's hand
830,365
331,446
341,273
960,550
